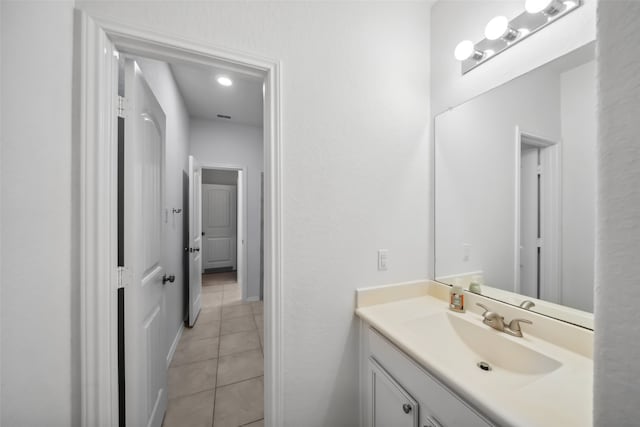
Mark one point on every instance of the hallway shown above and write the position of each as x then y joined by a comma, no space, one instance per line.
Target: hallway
216,376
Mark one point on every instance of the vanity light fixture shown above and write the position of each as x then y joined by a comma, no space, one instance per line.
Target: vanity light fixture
224,81
498,28
502,33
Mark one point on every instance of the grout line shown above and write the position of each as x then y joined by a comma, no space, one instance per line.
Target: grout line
215,392
241,381
251,422
182,396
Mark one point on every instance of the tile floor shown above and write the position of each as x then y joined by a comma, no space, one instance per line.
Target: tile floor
216,376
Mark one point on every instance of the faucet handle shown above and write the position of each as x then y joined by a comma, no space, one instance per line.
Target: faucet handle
484,307
514,325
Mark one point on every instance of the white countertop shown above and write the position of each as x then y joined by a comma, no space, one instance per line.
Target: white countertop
560,398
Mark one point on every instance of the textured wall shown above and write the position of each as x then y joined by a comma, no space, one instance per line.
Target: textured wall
617,298
40,366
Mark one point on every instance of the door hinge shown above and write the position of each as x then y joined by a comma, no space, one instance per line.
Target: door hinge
122,106
123,278
539,242
539,169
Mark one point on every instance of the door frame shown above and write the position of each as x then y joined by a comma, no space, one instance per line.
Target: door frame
242,220
550,273
95,133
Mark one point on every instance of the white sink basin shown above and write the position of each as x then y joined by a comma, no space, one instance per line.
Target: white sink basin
463,341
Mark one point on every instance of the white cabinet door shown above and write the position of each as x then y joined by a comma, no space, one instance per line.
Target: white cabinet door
438,405
145,307
391,405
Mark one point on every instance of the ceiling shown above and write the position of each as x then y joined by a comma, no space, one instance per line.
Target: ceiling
206,99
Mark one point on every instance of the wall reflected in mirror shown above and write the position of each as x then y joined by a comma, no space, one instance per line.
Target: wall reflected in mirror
515,190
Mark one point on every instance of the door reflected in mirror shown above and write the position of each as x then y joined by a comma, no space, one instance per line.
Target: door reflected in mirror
515,190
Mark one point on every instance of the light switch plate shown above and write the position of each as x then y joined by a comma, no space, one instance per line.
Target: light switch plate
383,258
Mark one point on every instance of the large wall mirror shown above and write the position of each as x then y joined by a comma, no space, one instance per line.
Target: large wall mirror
515,190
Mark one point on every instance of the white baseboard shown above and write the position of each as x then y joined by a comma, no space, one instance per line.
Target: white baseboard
174,345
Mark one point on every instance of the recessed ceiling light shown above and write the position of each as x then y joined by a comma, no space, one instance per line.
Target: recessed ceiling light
225,81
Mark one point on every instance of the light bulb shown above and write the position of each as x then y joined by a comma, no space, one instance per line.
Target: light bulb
224,81
496,28
466,50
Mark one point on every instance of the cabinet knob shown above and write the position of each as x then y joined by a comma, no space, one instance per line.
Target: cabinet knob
406,408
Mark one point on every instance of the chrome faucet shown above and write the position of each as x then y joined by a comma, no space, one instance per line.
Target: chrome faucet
496,321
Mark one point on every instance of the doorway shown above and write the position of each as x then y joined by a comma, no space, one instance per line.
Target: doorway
537,216
100,44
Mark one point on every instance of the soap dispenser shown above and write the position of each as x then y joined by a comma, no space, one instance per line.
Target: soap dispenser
456,297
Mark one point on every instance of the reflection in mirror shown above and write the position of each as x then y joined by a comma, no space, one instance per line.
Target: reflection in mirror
515,190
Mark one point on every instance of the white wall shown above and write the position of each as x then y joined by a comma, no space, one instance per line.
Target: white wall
40,293
579,130
475,174
455,20
161,81
215,141
617,294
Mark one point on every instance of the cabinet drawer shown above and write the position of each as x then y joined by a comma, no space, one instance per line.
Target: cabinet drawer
442,405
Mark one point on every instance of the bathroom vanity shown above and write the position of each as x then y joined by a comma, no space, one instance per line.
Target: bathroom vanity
424,365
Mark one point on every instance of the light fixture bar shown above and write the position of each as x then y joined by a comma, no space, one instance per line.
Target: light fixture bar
505,35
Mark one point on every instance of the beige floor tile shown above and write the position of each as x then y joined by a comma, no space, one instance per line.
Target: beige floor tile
259,423
257,307
220,278
239,367
192,378
212,299
237,343
189,351
202,330
212,288
259,318
238,310
238,324
208,315
232,298
239,404
195,410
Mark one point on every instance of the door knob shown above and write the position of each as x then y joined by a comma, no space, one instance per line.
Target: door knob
197,249
406,408
169,279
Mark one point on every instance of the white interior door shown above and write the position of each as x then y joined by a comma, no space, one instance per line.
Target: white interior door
195,240
145,307
219,224
529,221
